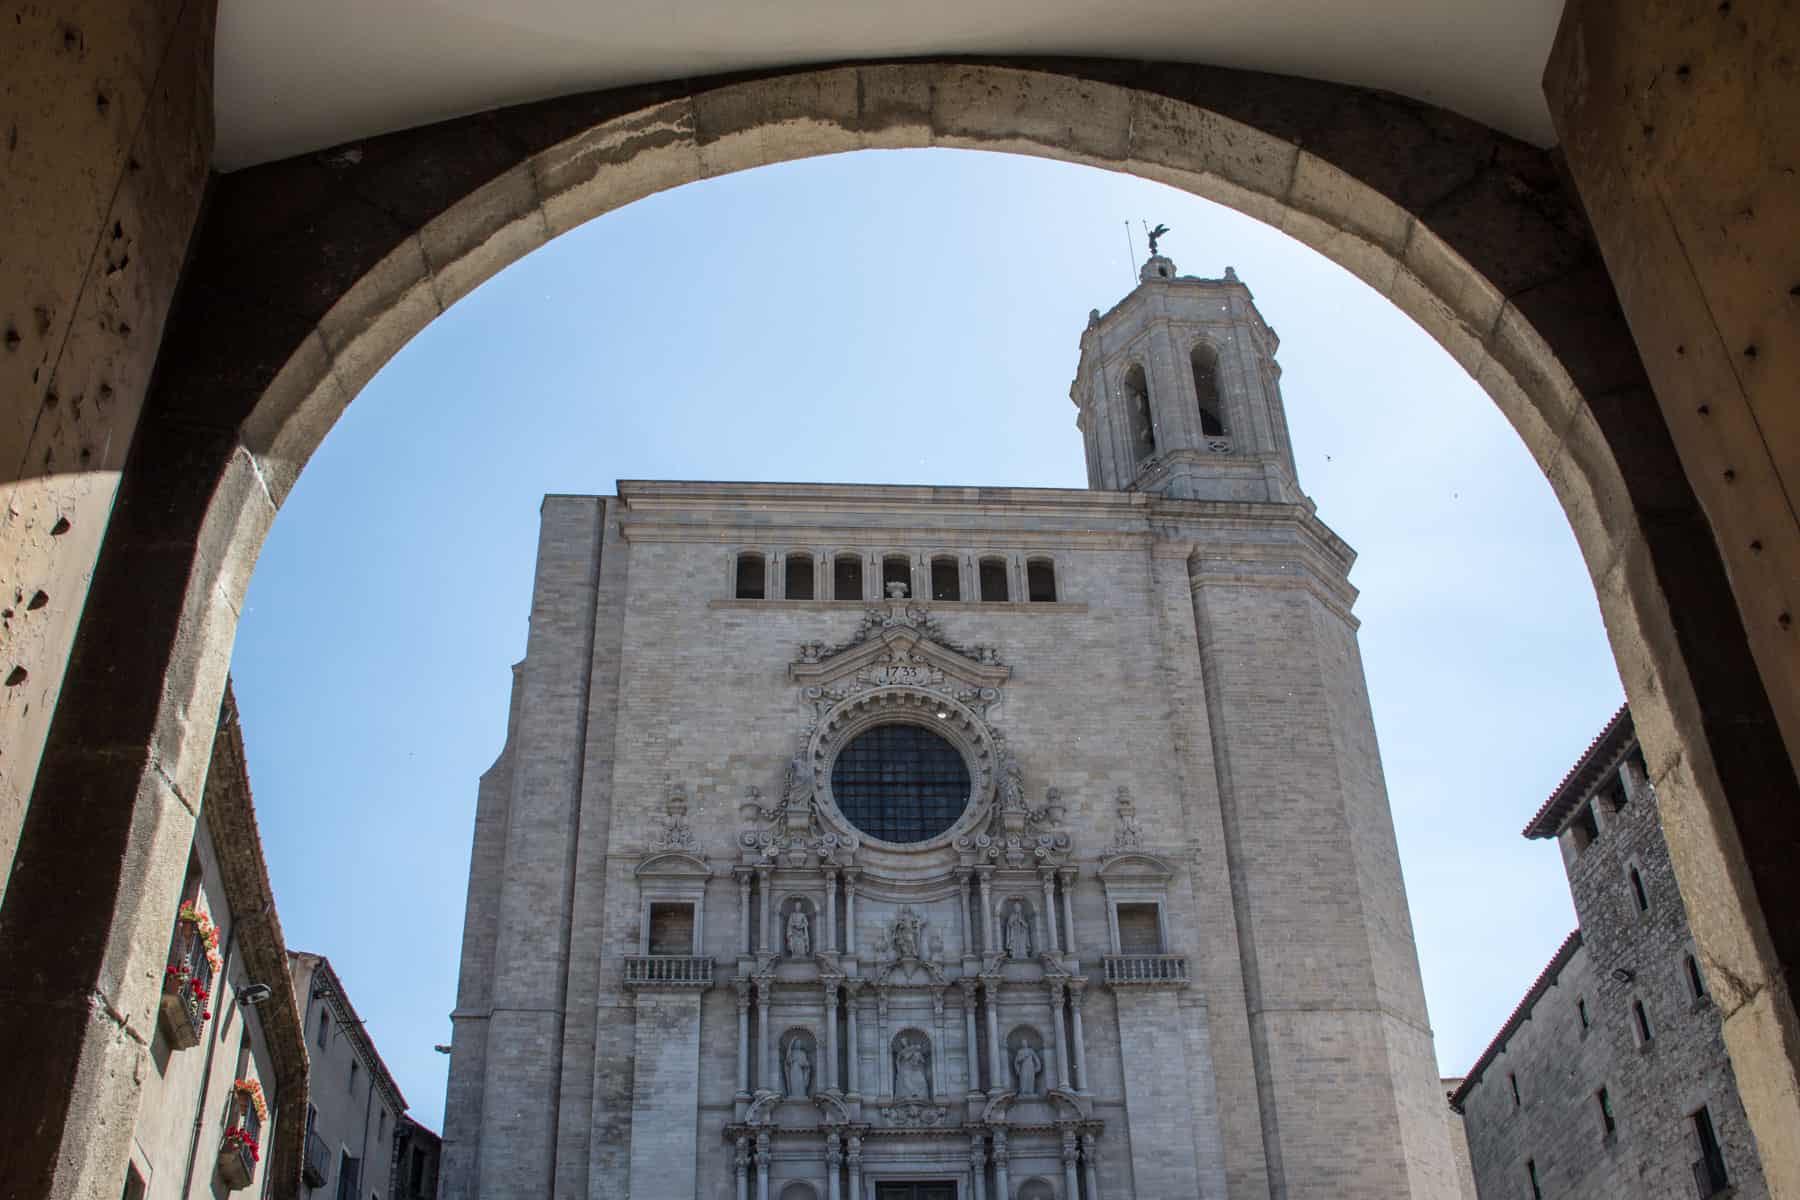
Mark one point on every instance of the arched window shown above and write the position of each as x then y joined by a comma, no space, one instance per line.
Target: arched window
993,580
1206,388
750,576
946,579
846,577
799,576
1137,413
1040,580
895,568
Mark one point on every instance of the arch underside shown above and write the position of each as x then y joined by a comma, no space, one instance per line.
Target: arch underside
309,274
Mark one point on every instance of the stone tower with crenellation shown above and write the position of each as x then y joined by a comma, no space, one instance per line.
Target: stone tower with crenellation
935,843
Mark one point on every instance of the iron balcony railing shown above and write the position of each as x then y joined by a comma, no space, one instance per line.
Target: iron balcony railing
1146,970
668,971
317,1167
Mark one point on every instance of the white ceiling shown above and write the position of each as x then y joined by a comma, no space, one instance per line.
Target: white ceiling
298,76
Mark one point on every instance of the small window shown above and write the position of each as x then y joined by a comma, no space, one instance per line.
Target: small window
1641,1020
134,1183
1637,891
846,577
671,929
1138,414
349,1176
324,1027
1613,794
1140,929
1636,759
895,570
1581,1011
1206,390
1709,1172
1537,1191
993,580
1584,828
381,1125
1512,1081
1696,984
1040,581
355,1069
1607,1122
799,581
750,576
946,579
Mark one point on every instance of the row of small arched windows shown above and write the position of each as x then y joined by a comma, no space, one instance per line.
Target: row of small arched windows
993,583
1205,363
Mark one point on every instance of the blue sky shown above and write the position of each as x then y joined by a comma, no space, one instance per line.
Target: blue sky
880,317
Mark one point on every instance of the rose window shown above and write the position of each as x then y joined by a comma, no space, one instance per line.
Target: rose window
900,783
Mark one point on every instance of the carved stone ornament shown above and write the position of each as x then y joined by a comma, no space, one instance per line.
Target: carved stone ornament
907,936
673,831
914,1114
1129,837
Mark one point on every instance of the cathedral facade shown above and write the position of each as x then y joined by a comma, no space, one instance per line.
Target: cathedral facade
919,843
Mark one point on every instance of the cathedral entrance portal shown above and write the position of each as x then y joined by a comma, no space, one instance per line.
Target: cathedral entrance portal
915,1191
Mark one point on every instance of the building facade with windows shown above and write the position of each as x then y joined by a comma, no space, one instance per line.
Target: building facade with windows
224,1097
1610,1081
932,843
355,1109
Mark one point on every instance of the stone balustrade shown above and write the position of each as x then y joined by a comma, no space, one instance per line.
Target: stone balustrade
1146,970
668,971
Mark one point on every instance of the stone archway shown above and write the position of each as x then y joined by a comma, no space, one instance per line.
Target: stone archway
307,275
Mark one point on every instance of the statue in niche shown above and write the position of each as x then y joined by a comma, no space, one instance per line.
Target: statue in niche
912,1068
1028,1069
799,933
799,1070
1017,938
905,937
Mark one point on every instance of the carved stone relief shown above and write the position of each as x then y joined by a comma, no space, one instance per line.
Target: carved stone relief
798,1057
912,1066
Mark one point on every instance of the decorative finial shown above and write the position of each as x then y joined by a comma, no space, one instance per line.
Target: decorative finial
1158,232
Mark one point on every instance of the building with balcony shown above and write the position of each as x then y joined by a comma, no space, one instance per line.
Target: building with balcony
1610,1080
355,1110
224,1100
417,1151
907,843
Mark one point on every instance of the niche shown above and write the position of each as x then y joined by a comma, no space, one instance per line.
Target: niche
1031,1189
1018,928
799,1191
799,1062
912,1065
1025,1060
799,928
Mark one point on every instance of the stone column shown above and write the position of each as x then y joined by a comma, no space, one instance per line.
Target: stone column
855,1157
850,875
969,1031
1069,1154
834,1158
939,1071
1057,990
978,1166
762,891
743,882
1001,1186
766,1068
762,1166
854,1057
1052,942
830,934
742,987
882,1046
986,875
962,909
1077,1000
1090,1160
996,1072
1067,875
828,1076
741,1168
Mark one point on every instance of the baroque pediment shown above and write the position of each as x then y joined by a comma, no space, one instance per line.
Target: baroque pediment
899,646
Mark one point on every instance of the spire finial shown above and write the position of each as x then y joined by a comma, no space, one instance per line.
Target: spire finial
1159,232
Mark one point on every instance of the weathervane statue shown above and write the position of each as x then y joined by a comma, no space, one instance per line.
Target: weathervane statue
1159,231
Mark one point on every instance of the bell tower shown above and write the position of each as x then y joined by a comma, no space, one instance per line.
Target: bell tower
1178,392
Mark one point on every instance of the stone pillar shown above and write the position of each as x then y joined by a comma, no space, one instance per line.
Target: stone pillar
850,875
1077,999
762,892
986,875
969,1032
830,934
743,882
834,1159
855,1159
882,1045
854,1057
742,987
1067,875
978,1166
766,1068
1090,1160
829,1075
762,1166
741,1168
962,910
996,1072
1002,1188
1057,991
1069,1154
939,1066
1052,942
